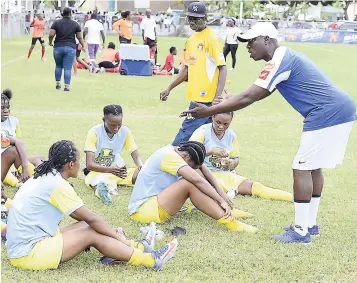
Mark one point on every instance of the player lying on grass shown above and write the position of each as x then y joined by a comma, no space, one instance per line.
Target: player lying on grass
171,176
222,158
34,240
10,127
105,169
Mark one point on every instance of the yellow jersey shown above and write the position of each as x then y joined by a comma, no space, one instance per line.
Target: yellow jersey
204,53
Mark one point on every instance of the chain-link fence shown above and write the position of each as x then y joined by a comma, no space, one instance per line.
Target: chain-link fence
13,24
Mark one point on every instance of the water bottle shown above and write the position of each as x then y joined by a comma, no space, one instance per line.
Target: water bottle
119,161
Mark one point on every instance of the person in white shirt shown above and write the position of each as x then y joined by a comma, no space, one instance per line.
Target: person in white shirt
148,26
231,44
94,29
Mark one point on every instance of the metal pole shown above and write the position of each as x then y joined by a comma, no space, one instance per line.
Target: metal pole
241,11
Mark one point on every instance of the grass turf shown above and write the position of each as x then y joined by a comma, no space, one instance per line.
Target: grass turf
269,134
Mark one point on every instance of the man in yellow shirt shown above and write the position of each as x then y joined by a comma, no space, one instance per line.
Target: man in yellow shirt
124,28
205,69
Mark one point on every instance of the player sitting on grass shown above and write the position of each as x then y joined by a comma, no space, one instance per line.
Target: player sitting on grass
109,62
34,240
105,142
10,127
222,158
172,175
13,152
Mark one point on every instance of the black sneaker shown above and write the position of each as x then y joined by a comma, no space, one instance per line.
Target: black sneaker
66,89
58,87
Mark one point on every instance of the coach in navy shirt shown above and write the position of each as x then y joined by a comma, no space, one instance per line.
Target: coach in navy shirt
329,113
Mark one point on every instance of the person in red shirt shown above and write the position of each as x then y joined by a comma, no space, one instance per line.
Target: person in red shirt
169,65
38,25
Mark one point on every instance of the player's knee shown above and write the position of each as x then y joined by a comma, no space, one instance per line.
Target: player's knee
245,188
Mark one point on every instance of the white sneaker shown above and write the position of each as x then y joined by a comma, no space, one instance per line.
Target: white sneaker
164,254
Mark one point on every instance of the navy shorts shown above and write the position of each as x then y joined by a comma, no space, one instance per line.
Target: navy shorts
190,125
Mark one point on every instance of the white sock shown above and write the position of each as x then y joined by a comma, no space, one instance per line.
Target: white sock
301,217
313,209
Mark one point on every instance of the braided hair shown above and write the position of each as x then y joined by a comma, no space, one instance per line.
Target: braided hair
113,109
60,153
195,150
7,94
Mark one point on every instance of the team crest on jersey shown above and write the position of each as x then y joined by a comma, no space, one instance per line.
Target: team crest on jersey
264,74
200,47
192,59
269,65
5,141
105,157
215,161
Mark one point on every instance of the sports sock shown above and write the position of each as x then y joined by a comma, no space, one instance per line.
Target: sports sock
29,53
240,213
140,258
8,203
233,224
43,52
313,209
30,167
136,245
301,216
11,180
262,191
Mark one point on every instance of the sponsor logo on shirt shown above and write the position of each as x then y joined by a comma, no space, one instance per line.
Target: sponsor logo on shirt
269,65
105,157
264,74
192,59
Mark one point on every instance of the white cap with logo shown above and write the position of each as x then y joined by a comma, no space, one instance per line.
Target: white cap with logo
259,29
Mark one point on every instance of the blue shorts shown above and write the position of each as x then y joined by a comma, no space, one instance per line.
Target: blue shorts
190,125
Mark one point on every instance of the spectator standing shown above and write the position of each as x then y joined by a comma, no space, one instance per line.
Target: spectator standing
94,29
148,27
65,30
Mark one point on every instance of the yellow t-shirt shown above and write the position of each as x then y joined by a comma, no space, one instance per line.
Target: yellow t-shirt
204,53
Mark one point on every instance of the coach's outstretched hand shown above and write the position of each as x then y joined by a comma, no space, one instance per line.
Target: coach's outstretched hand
199,111
164,95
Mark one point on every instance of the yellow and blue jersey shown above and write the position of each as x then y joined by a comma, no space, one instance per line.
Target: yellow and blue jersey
208,138
158,172
203,55
106,148
36,211
11,127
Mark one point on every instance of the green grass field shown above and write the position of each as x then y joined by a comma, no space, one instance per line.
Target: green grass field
269,134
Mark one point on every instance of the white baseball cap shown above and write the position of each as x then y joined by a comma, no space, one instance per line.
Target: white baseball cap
259,29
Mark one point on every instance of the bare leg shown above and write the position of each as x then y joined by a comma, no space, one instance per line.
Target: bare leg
303,185
77,240
35,160
245,188
83,62
317,181
73,226
9,157
174,196
75,69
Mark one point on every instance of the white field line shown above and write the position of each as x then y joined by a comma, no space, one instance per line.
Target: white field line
13,60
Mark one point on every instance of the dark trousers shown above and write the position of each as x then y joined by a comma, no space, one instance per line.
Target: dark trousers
124,40
233,49
190,125
106,65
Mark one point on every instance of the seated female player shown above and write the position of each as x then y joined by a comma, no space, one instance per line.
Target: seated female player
10,127
34,240
104,145
222,158
169,177
13,152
